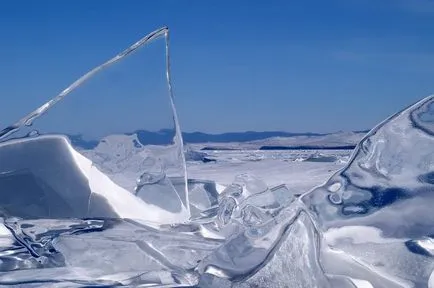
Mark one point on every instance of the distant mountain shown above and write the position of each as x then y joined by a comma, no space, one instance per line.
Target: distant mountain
199,137
332,141
78,141
306,147
164,136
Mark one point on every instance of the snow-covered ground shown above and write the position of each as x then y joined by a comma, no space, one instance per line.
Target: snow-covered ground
299,170
338,139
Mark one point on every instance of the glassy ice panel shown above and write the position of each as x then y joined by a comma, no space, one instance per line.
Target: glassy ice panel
109,145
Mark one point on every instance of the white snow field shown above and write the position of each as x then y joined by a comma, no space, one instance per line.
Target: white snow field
297,169
331,140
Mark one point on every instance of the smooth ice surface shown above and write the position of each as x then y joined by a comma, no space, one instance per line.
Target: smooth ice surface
377,211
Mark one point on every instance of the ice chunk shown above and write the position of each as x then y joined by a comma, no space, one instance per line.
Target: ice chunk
227,207
193,155
319,157
123,170
247,250
250,201
251,185
294,264
203,194
104,252
377,211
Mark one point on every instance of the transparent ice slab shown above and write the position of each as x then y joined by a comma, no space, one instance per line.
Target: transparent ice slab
109,145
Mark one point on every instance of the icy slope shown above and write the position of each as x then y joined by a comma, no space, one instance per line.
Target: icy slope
377,211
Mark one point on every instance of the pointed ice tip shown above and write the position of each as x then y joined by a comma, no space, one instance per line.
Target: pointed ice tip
161,30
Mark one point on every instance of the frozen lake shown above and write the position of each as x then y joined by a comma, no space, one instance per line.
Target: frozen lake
299,170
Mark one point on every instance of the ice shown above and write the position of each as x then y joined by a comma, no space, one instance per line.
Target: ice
377,210
48,168
193,155
120,211
319,157
116,252
294,264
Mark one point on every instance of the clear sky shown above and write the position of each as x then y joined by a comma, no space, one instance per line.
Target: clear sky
298,66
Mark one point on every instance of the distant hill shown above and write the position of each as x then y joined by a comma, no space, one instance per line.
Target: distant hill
199,137
165,136
308,141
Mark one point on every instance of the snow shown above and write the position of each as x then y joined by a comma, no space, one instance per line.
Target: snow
361,283
299,176
326,140
301,170
67,184
124,203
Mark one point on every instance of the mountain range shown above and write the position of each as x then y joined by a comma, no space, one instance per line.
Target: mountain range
268,140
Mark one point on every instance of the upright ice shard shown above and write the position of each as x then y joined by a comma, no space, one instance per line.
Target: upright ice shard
109,145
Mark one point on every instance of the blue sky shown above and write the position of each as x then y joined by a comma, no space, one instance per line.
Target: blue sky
318,66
